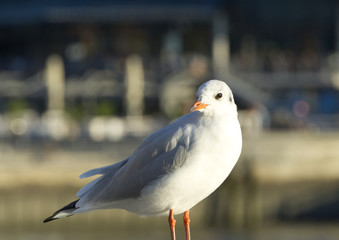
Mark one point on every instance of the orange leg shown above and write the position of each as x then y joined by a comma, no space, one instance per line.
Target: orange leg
187,221
172,222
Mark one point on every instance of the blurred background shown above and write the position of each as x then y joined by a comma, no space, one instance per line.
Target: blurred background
83,82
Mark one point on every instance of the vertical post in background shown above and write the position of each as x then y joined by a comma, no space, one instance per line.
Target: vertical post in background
54,119
337,29
335,72
220,46
55,81
134,83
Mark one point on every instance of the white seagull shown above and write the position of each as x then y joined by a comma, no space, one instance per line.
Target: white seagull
174,168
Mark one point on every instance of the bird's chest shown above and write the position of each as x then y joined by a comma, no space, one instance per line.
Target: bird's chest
211,155
209,162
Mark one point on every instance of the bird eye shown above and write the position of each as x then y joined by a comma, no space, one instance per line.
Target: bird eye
218,96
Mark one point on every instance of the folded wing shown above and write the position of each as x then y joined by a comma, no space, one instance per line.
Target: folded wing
158,154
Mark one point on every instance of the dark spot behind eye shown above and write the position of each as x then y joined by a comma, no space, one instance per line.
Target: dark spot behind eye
231,99
218,96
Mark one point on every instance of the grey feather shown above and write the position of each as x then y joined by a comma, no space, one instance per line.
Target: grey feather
150,161
104,170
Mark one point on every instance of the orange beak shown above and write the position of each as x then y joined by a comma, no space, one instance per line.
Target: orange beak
198,105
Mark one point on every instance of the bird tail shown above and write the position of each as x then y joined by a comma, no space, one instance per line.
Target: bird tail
66,211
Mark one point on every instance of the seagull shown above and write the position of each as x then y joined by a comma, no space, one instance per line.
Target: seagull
174,168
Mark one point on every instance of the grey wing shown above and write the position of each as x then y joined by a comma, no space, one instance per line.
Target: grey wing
99,171
133,179
159,154
104,170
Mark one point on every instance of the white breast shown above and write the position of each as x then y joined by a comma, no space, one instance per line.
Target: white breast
215,151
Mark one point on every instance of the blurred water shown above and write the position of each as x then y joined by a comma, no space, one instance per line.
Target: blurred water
36,180
276,232
24,208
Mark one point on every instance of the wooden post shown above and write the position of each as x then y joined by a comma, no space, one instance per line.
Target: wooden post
221,46
134,82
55,81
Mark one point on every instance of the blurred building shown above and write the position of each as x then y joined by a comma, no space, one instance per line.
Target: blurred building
280,55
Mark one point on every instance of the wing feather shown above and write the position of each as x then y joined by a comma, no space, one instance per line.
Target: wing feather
158,154
102,171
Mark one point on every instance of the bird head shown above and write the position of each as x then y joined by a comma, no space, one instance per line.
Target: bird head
214,98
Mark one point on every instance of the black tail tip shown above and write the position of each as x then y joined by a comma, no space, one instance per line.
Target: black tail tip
70,206
49,219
